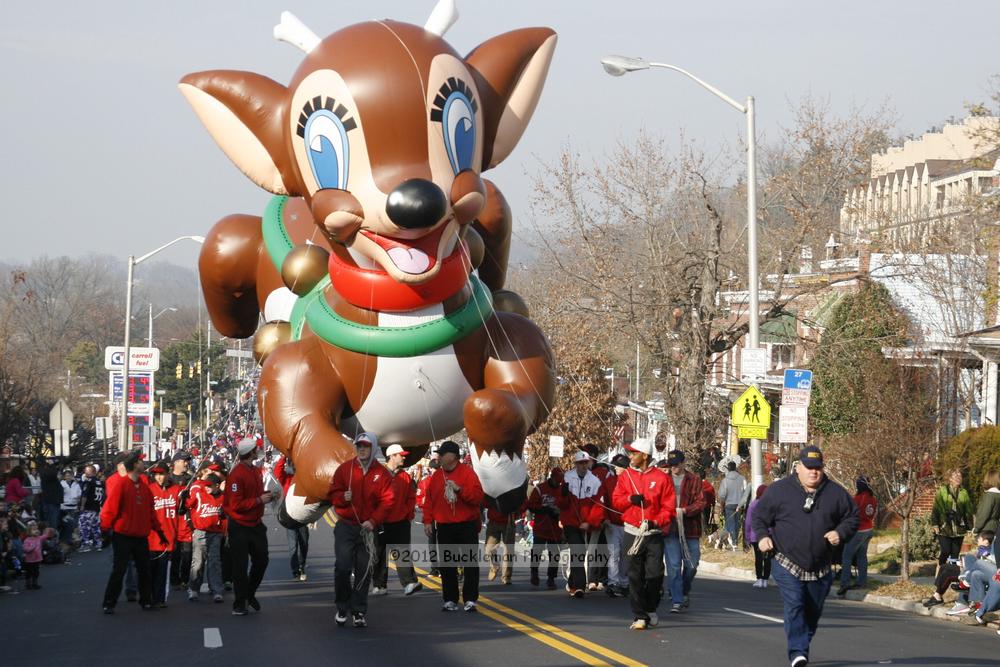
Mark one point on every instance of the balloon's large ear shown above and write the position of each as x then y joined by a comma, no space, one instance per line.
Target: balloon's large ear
245,114
510,70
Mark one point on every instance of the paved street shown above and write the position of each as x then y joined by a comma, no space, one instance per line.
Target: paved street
730,623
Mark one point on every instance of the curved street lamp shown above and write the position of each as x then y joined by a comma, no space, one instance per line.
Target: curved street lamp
132,261
621,65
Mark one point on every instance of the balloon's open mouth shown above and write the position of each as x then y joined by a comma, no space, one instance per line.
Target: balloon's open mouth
411,256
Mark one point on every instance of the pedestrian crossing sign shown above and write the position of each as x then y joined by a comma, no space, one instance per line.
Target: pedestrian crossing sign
751,410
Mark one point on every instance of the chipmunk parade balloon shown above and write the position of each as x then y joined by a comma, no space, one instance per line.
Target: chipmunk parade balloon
380,263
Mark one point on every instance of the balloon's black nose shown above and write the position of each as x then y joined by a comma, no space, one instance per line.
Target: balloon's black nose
416,203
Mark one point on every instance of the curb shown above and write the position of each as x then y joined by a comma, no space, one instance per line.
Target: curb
854,595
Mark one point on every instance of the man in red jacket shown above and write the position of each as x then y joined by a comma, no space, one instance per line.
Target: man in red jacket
546,532
395,535
454,496
682,541
645,496
128,514
361,495
582,518
165,500
243,503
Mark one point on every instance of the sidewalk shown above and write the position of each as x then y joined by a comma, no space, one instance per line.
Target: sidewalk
865,596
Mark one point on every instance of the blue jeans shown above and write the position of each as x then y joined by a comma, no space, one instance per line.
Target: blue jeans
732,524
679,573
298,548
803,605
992,600
857,547
980,575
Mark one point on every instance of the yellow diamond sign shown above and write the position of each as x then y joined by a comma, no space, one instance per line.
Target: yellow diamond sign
751,410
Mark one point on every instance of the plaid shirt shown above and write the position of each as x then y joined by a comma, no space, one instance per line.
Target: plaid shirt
798,572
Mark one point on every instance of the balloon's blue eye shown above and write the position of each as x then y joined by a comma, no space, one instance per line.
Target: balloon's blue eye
455,108
323,125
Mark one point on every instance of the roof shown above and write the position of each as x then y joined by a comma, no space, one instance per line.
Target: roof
782,329
821,315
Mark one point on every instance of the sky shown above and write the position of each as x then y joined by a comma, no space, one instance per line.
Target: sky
100,153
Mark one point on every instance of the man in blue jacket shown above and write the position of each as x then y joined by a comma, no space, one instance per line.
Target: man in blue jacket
802,518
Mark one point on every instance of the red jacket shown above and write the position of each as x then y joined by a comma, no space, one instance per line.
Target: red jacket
371,492
576,510
543,506
244,487
611,515
708,491
129,509
206,510
692,501
284,478
867,510
656,488
404,497
422,491
165,502
467,504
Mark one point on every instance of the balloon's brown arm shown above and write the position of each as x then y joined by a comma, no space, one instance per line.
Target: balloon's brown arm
300,398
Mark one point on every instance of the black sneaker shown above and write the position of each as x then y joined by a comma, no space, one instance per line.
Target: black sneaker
108,609
932,602
341,619
131,597
799,661
842,591
254,604
550,584
534,579
359,620
239,610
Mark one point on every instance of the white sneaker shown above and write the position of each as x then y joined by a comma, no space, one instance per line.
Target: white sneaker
763,583
638,624
959,608
302,577
759,583
412,588
654,620
380,591
450,606
470,605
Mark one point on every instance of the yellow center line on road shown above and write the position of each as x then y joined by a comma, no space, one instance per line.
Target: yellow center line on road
614,656
527,630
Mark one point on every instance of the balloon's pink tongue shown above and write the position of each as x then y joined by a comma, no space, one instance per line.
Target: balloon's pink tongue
409,260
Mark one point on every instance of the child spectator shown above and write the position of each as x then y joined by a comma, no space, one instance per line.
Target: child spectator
33,554
761,564
205,507
978,573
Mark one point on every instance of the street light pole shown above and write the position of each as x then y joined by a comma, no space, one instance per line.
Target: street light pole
132,261
619,65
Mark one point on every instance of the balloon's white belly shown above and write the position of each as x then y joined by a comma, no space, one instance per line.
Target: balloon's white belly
414,400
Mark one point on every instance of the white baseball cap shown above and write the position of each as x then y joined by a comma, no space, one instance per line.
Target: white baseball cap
394,449
245,446
580,457
643,445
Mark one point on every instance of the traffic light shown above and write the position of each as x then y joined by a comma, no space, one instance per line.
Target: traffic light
191,371
199,367
180,370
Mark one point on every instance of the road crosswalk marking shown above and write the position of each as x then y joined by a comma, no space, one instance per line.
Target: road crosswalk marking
213,638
